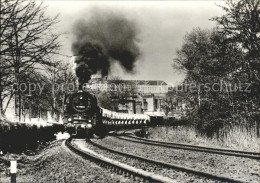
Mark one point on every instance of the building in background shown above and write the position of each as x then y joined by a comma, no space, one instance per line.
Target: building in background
140,96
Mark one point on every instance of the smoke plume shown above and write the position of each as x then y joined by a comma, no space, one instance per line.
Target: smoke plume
101,40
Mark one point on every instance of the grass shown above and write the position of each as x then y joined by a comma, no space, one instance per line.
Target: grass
237,138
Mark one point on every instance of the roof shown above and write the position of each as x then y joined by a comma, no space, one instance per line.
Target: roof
139,82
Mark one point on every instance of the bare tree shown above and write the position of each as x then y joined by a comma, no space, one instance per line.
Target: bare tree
61,80
28,41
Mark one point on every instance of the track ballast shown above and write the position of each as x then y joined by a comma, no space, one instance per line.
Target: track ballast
244,154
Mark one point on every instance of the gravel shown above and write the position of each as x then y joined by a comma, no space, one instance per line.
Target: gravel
58,164
243,169
179,176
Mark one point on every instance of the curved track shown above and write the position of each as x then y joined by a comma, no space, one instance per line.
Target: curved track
119,167
244,154
167,165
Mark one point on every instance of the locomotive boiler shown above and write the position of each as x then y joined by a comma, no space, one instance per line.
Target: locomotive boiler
82,115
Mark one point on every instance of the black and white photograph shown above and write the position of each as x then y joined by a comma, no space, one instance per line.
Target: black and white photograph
130,91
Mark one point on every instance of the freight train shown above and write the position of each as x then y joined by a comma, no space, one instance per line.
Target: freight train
84,118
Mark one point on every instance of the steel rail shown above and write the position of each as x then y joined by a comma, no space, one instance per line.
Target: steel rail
168,165
244,154
118,167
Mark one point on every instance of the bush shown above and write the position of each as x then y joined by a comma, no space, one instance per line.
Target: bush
236,137
176,122
17,137
216,120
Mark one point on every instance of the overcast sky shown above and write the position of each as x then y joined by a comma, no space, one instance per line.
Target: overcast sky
161,25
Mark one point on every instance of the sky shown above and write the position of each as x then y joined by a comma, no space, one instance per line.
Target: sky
161,28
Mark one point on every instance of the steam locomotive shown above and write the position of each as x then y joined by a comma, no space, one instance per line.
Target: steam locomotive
83,116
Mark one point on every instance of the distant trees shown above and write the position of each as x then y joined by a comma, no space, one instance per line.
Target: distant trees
222,66
118,90
105,100
28,42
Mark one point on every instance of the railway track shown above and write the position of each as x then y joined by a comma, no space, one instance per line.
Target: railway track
244,154
117,166
168,165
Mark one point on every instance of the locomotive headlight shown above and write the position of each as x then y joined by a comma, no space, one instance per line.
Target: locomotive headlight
82,126
69,119
89,125
89,120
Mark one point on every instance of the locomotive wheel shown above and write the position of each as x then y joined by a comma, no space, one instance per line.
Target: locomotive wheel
87,135
99,136
100,132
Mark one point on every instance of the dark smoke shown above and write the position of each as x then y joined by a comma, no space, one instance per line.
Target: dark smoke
104,39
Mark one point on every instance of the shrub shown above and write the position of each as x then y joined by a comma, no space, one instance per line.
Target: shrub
17,137
236,137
